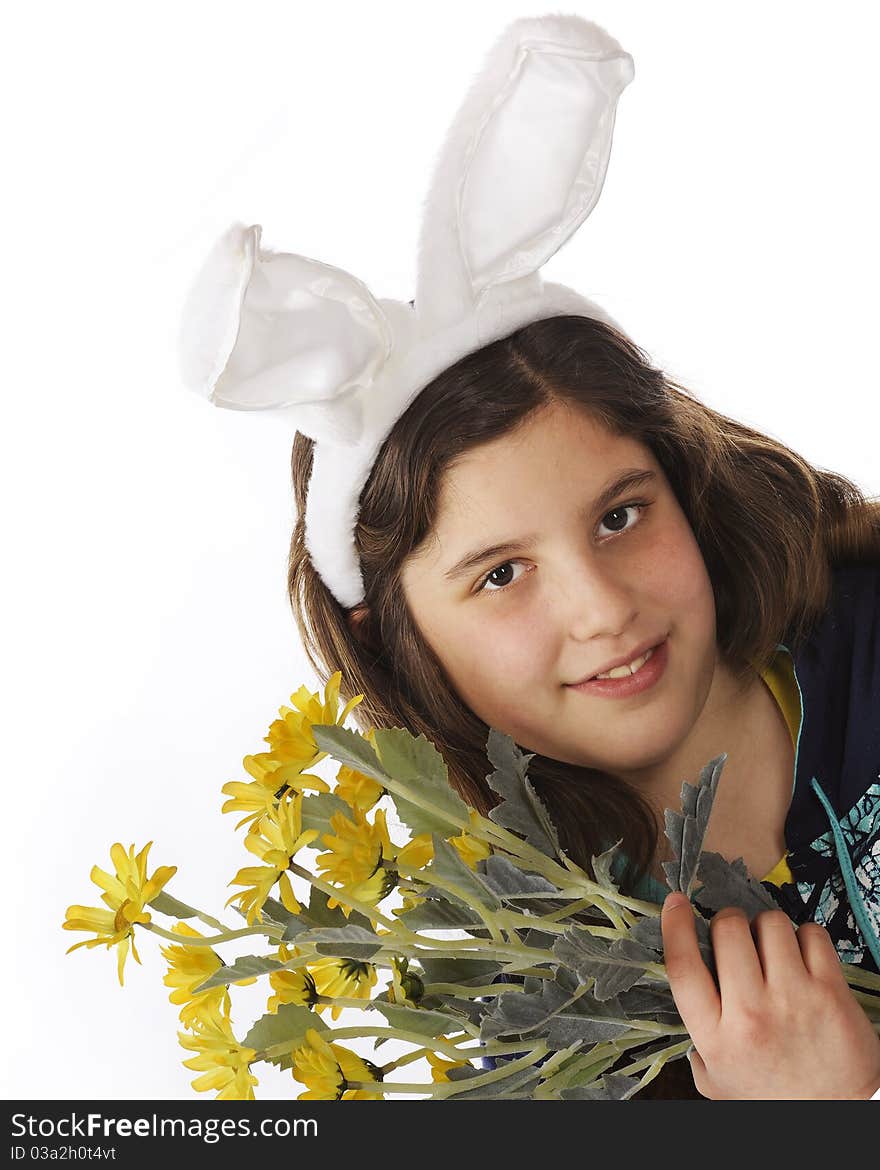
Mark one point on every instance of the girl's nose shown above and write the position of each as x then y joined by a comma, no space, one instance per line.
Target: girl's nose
595,604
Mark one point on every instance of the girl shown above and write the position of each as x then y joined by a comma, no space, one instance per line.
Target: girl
591,512
507,517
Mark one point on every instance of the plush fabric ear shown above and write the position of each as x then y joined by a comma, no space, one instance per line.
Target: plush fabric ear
522,164
265,330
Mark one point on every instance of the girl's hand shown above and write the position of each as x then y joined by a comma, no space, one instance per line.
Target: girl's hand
782,1024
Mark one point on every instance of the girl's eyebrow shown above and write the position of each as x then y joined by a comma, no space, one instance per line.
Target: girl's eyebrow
632,477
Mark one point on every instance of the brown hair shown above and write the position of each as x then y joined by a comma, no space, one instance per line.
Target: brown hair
768,524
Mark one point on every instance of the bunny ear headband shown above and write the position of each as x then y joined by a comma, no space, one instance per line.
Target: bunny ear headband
520,169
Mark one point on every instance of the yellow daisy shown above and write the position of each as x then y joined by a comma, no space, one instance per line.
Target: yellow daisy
357,850
290,737
296,986
342,977
416,853
187,968
357,859
275,839
356,789
326,1070
222,1061
126,892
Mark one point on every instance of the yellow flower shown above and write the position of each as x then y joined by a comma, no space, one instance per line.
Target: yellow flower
223,1062
297,986
356,847
290,737
420,850
440,1066
127,892
470,849
346,977
188,967
354,863
416,853
272,779
275,839
355,788
410,901
326,1070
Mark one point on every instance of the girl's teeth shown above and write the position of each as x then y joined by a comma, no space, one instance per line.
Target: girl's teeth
625,671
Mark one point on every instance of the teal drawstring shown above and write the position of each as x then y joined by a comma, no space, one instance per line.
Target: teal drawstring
856,900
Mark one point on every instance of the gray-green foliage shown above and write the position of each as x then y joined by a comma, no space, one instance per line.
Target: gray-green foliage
686,830
522,954
521,809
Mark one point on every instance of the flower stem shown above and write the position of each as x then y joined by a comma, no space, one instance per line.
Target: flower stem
444,1089
273,931
343,897
647,1061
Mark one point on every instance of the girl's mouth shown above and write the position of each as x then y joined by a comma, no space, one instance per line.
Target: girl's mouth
649,669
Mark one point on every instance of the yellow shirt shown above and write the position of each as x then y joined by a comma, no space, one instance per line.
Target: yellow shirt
779,677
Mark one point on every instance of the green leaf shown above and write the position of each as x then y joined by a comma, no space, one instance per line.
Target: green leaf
464,972
318,913
648,932
729,883
437,914
166,904
521,809
319,808
603,867
418,1020
245,967
686,830
508,881
552,1014
612,1087
416,763
286,1026
347,942
275,912
447,866
349,748
592,957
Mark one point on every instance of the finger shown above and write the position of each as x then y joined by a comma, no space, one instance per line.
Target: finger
818,952
740,975
778,948
690,980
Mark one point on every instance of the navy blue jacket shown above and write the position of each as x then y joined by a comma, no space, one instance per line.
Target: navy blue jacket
832,829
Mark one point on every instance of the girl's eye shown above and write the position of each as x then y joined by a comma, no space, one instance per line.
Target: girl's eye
500,579
618,516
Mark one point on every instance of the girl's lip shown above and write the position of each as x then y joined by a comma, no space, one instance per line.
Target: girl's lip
621,688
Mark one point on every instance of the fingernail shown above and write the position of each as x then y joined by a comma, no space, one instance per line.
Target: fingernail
690,1052
675,898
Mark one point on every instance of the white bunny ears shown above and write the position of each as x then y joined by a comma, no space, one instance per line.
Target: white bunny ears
521,168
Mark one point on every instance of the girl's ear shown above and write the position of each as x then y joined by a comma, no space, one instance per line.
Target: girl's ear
356,618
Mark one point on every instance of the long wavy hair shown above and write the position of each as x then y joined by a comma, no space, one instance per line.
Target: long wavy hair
769,526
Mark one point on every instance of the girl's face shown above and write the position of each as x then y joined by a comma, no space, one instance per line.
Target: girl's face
588,574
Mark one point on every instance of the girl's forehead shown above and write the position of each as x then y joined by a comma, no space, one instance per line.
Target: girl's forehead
555,442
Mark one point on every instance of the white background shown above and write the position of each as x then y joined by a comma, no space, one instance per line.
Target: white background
147,639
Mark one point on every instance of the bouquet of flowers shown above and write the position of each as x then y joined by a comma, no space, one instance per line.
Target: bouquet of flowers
476,944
